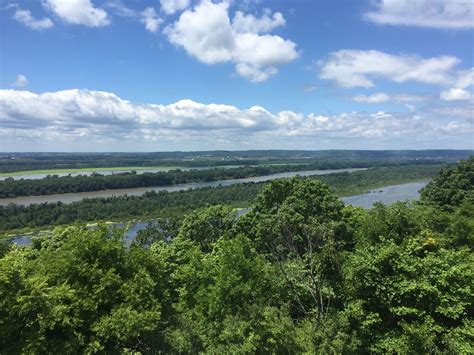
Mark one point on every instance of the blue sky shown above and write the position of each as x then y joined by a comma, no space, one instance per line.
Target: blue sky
90,75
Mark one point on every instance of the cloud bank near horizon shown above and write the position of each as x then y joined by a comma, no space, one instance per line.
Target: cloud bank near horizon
74,116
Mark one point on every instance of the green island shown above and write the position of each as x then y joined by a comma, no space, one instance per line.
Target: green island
299,273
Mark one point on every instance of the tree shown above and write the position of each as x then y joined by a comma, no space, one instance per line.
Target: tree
410,296
162,229
297,223
206,226
451,187
228,302
80,291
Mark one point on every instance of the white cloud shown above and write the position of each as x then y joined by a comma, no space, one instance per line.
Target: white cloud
72,108
465,78
456,94
150,19
119,9
78,12
25,18
169,7
207,34
456,108
462,89
78,115
381,97
204,33
442,14
250,23
257,56
148,16
372,99
20,81
352,68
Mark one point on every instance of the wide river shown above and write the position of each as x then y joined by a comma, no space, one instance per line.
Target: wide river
72,197
387,195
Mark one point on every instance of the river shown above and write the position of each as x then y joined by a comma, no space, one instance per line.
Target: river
386,195
72,197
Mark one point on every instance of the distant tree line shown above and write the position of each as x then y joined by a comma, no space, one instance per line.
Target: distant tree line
323,159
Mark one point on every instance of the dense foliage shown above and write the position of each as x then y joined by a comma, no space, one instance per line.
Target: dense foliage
452,187
122,208
300,273
156,204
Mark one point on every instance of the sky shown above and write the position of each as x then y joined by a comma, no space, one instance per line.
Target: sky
163,75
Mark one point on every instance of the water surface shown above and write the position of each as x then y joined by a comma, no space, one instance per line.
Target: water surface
387,194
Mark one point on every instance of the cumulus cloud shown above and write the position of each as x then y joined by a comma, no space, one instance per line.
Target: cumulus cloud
20,81
169,7
462,90
78,12
352,68
204,33
81,114
207,34
249,23
456,94
24,17
150,19
442,14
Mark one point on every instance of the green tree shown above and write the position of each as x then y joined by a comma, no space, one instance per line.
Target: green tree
461,225
410,296
228,302
80,291
206,226
162,229
451,187
297,223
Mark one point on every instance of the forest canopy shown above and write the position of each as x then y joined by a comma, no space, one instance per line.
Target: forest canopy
301,272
